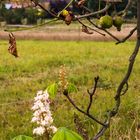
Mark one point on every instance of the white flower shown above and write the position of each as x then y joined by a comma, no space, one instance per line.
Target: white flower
53,129
42,115
39,92
34,119
39,130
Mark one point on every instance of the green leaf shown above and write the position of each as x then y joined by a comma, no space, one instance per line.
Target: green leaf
22,137
52,90
72,88
66,134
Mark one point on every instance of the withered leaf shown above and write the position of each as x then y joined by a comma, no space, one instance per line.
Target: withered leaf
12,45
85,30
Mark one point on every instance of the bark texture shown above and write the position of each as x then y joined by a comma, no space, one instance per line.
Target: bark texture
138,19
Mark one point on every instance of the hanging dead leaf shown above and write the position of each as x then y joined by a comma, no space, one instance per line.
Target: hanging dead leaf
85,30
12,48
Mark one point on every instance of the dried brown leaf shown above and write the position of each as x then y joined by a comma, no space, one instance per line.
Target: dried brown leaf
12,48
85,30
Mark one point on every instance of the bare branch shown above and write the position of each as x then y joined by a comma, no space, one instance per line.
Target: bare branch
91,94
114,37
33,27
102,131
130,67
124,82
128,36
114,111
94,13
37,4
126,8
83,112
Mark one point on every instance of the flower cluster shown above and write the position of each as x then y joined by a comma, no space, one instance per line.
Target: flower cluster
42,114
63,83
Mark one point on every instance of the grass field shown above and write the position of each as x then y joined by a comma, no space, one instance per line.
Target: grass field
38,66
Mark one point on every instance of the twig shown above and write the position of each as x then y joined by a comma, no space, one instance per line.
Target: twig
37,4
114,37
94,13
29,28
128,36
65,7
83,112
91,94
126,9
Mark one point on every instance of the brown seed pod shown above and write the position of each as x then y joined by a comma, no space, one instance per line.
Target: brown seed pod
68,19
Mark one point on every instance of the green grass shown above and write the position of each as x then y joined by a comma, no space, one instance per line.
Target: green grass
38,66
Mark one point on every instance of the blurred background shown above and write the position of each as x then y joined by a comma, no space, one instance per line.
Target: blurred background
24,12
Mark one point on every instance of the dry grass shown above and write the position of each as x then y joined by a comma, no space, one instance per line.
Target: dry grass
64,32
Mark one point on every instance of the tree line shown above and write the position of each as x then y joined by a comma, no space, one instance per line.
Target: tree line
31,15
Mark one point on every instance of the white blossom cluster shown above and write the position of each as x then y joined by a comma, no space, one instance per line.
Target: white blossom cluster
42,114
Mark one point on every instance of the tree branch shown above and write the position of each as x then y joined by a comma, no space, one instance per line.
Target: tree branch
126,88
128,36
114,111
94,13
37,4
110,34
91,94
126,8
83,112
101,132
130,67
118,95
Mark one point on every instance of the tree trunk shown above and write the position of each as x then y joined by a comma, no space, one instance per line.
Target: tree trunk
138,19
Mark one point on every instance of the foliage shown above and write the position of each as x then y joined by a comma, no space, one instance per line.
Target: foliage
52,89
31,15
12,16
15,16
66,134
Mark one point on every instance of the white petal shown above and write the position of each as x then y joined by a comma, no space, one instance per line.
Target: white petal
39,130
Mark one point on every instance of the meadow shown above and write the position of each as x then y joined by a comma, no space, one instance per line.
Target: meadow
38,66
